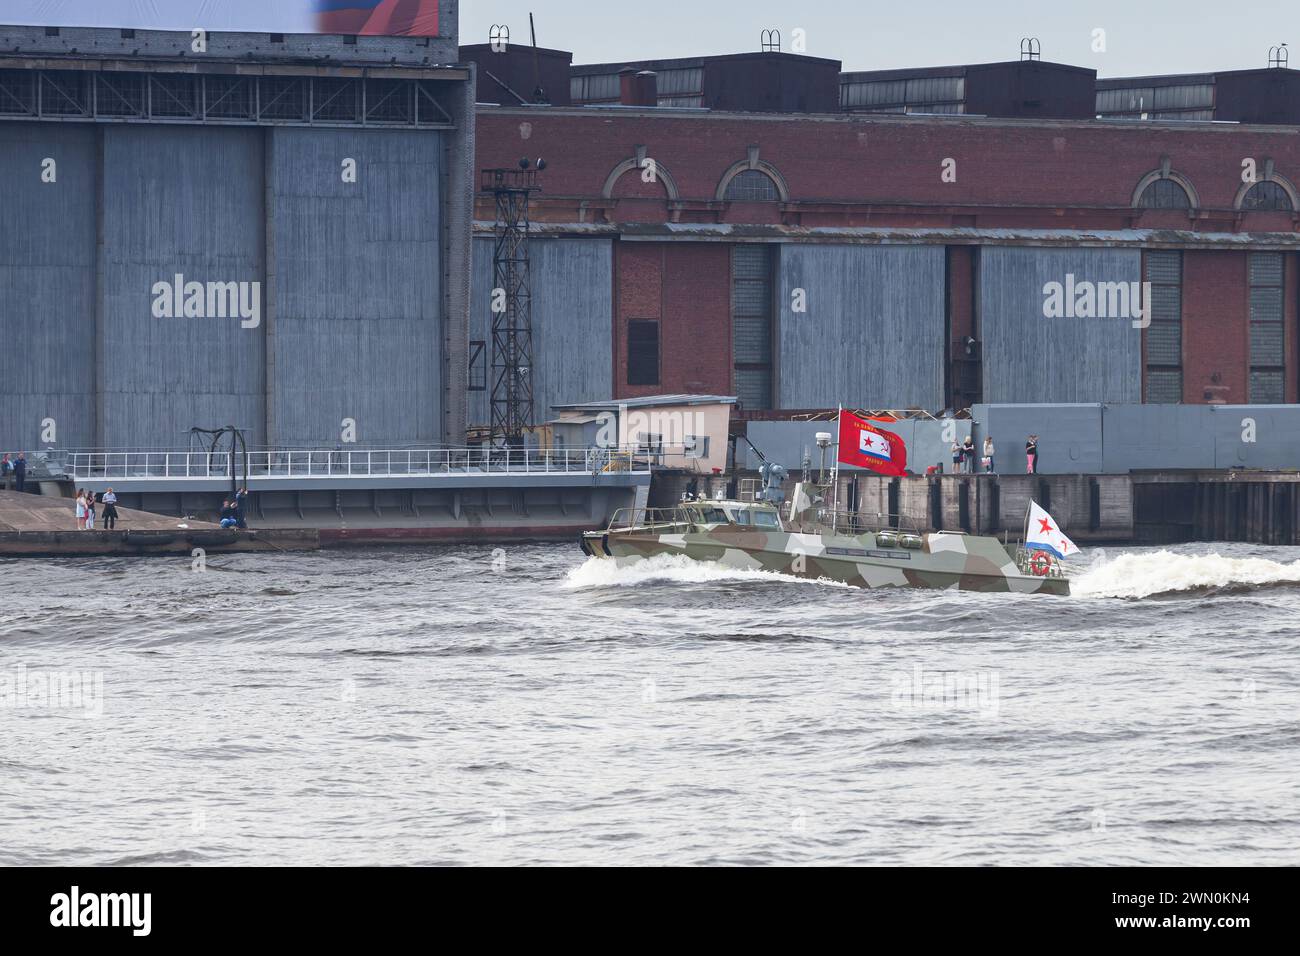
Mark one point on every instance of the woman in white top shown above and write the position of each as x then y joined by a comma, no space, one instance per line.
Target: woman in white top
81,510
988,454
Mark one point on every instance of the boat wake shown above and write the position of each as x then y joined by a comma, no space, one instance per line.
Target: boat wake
1166,574
676,568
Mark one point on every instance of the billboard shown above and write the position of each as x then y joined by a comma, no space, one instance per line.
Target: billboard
406,18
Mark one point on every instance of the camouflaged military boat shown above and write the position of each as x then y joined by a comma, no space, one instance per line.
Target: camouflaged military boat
809,542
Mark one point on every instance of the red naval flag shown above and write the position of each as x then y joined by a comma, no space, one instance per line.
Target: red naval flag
867,446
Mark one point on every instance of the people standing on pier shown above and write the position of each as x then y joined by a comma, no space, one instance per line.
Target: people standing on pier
968,454
110,510
20,473
1031,455
956,458
90,511
81,509
6,466
988,455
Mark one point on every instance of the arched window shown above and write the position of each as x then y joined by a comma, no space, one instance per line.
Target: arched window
1164,194
1267,195
751,185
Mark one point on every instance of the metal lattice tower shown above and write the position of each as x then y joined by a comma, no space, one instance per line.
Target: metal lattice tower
512,325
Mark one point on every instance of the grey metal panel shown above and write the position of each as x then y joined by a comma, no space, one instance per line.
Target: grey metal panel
358,291
573,323
1070,437
1183,97
47,285
179,200
1031,358
1275,430
873,333
1157,436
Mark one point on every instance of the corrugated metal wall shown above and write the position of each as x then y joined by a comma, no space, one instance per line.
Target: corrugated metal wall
573,322
184,200
1031,358
47,285
358,297
352,307
873,332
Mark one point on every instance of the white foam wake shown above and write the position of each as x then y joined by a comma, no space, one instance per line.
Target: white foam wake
603,573
1163,572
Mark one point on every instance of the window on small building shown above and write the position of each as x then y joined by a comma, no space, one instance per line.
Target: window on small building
696,446
1267,195
1164,336
477,366
643,352
751,185
1267,339
1164,194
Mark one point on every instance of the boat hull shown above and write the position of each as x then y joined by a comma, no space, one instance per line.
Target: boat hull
942,560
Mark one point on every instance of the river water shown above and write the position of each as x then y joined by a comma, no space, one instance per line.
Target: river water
522,705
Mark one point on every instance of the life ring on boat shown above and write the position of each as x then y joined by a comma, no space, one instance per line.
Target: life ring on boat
1040,563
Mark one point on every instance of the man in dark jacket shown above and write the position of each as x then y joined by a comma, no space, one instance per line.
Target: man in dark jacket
20,473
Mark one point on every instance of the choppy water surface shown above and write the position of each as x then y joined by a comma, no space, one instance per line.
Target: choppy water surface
520,706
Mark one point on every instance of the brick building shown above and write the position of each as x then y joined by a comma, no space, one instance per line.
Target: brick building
889,247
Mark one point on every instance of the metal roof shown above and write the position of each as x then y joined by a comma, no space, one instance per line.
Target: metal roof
650,401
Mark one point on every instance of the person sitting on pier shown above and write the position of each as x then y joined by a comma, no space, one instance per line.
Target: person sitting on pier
228,519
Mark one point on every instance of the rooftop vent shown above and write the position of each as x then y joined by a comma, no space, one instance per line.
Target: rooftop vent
769,41
1278,56
1030,48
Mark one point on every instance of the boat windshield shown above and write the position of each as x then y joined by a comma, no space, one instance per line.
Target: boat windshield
757,518
713,516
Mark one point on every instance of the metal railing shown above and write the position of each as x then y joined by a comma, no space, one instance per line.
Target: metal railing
657,520
861,522
366,463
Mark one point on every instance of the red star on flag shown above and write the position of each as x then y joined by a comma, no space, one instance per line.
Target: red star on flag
1047,527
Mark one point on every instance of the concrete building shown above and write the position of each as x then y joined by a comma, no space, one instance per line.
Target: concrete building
271,232
936,238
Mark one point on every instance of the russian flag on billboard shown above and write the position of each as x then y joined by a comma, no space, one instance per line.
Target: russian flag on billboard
867,446
416,18
390,18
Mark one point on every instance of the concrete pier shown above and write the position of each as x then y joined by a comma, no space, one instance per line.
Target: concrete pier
38,525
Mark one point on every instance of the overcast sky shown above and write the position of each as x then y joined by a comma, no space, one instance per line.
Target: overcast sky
1141,36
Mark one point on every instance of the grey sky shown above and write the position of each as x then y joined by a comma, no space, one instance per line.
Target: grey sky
1142,36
